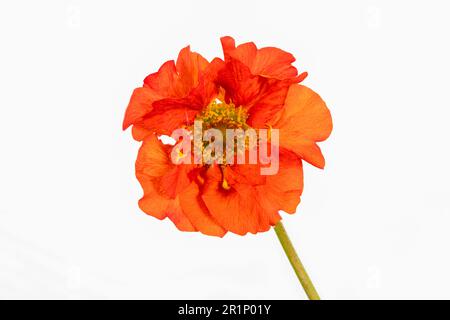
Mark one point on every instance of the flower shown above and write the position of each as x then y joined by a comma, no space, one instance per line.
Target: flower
250,88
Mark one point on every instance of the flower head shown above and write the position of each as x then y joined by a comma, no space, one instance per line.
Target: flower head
251,96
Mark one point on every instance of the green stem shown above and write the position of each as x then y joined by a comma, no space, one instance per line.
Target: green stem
295,262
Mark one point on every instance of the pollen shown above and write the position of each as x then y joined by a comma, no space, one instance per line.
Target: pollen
221,115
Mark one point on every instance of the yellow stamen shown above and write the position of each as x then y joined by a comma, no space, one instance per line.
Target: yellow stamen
225,184
221,115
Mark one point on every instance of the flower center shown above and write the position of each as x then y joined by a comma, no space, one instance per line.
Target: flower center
221,115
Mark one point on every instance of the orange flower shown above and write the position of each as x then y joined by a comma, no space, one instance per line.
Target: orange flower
249,88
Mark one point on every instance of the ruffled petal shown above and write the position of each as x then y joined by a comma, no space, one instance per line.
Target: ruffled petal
140,104
268,62
197,212
139,132
171,97
268,104
167,122
282,191
304,121
189,67
240,85
251,202
161,181
234,209
159,206
255,80
274,63
153,160
165,81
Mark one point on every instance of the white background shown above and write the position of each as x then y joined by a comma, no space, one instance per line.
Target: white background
374,224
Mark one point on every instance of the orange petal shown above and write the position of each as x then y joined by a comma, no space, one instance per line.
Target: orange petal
174,181
268,62
240,85
152,203
189,67
268,104
158,206
167,122
236,209
233,209
195,209
179,219
262,97
304,121
246,53
160,199
274,63
140,104
244,173
139,132
251,203
282,191
153,160
172,96
164,81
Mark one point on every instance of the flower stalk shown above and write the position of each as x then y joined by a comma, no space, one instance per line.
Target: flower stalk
296,264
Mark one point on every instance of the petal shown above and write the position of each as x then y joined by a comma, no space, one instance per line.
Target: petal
154,171
179,219
233,209
164,81
176,80
245,53
139,132
196,211
262,97
173,113
304,121
153,160
152,203
228,45
274,63
175,180
167,122
282,191
172,96
207,88
158,206
250,204
244,173
140,104
267,62
240,85
236,209
189,67
268,104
